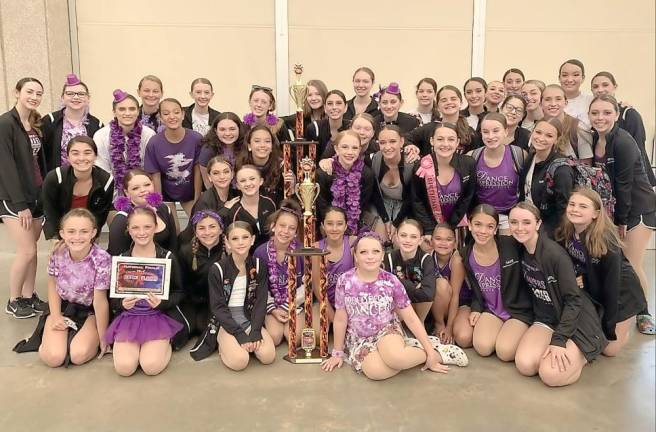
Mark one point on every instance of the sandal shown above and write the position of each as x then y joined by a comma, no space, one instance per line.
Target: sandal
452,354
646,324
412,342
435,341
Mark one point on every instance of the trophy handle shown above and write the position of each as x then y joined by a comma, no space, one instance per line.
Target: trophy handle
316,193
296,194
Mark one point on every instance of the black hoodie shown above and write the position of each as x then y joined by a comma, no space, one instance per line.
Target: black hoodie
575,314
52,127
417,274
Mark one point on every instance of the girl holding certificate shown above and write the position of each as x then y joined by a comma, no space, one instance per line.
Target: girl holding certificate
142,330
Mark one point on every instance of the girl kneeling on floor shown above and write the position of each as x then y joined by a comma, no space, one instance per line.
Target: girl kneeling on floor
238,299
592,242
142,332
567,333
78,279
370,303
453,296
501,309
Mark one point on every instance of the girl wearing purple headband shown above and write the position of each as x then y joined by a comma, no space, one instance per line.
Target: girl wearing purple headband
122,143
140,191
369,306
144,330
196,257
283,225
72,120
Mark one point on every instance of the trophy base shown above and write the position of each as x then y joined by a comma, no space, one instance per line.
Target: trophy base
301,358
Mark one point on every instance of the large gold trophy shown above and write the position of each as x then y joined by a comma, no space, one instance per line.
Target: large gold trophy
307,191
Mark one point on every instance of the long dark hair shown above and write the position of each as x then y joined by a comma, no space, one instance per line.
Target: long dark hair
272,176
212,141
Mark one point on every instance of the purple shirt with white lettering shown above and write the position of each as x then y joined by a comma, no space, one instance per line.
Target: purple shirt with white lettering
489,281
369,305
335,269
449,195
498,186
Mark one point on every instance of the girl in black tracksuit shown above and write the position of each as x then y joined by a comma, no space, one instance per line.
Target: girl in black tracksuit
416,273
546,180
567,332
52,126
501,307
238,287
635,208
59,193
196,257
602,270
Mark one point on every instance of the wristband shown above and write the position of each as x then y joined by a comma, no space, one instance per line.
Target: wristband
338,354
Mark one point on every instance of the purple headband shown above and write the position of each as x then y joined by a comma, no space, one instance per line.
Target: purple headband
200,215
119,95
365,232
124,204
72,80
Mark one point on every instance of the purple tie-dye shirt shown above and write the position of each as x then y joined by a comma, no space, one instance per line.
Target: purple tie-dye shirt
369,305
77,281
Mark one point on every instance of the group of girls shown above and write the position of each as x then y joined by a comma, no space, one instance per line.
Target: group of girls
439,179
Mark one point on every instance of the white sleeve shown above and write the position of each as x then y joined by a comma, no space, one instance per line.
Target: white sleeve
101,138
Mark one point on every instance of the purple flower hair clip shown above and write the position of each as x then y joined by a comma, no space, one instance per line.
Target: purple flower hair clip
154,199
365,232
271,119
119,95
123,204
72,80
250,119
200,215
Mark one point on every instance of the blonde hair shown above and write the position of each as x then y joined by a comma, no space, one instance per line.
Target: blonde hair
561,140
601,234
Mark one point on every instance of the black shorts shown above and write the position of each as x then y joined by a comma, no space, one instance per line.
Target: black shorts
8,210
648,220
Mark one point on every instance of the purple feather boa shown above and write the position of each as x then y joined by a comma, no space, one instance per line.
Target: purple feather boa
346,192
117,151
279,292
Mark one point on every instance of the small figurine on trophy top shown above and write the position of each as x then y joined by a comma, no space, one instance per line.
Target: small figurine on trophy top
298,90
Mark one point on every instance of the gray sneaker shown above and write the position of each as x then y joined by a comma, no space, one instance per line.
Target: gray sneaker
20,308
37,304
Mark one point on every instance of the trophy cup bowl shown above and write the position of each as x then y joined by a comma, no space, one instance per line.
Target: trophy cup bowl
307,191
298,90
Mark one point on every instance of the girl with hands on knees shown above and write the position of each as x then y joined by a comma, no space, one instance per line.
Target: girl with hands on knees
238,299
370,304
78,279
501,309
567,332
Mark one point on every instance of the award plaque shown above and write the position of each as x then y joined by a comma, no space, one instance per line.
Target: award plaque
136,277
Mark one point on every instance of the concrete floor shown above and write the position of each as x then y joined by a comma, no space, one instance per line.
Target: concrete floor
613,394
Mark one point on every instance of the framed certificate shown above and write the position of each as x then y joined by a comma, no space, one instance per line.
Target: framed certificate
136,277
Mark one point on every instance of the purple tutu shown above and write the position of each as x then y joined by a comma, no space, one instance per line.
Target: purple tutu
141,327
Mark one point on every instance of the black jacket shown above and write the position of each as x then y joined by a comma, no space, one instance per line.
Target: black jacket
265,207
187,122
551,202
57,195
17,163
421,137
631,121
521,138
404,121
319,131
406,173
120,240
325,198
633,193
417,274
576,315
195,281
221,279
514,293
614,286
52,127
465,166
209,200
371,109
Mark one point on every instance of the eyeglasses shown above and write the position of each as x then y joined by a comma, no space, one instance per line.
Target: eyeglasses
80,94
514,109
259,87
